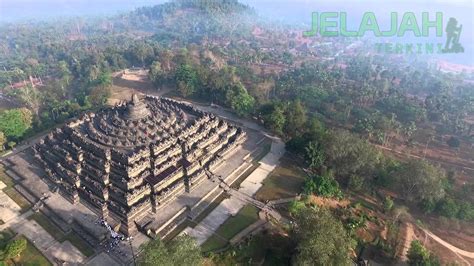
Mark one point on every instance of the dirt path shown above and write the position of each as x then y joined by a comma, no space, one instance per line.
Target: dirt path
454,249
428,158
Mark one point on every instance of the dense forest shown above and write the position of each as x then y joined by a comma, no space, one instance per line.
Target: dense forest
334,110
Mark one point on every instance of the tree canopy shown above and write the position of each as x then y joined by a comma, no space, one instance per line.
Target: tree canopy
418,180
182,250
240,100
15,122
321,239
14,248
418,255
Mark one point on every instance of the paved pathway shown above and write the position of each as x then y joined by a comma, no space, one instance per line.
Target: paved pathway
54,250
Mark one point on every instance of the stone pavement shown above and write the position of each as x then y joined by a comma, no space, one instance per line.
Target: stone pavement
54,250
8,208
102,259
50,247
229,207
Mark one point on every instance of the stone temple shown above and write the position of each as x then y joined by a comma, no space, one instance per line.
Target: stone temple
130,160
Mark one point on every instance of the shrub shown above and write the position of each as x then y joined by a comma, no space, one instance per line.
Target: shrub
356,182
419,255
323,185
15,248
448,207
388,204
428,206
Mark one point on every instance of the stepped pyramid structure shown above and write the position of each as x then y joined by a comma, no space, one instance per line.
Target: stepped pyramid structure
132,159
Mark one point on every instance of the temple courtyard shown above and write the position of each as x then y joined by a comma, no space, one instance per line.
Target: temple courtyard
39,180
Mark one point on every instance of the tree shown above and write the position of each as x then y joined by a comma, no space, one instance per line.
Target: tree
409,130
182,250
186,79
356,182
31,97
418,255
15,248
387,204
316,129
448,207
274,117
101,90
15,122
349,155
418,181
323,185
295,118
240,100
321,239
156,73
466,211
314,154
64,73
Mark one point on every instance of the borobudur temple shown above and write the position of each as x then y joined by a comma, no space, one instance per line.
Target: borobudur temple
128,160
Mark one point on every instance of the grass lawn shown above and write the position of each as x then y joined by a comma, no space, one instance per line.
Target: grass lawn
284,182
80,244
31,257
47,225
232,226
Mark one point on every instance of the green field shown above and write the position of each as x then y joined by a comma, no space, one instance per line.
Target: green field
285,181
232,226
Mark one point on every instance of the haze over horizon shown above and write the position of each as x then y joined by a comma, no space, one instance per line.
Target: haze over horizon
294,12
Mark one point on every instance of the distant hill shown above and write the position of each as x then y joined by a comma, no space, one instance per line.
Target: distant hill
190,20
115,42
